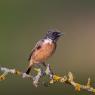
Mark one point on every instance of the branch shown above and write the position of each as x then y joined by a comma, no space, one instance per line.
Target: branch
68,79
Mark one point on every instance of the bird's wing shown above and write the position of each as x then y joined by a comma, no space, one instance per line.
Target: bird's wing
37,46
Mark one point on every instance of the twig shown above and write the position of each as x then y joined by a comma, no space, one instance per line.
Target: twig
68,79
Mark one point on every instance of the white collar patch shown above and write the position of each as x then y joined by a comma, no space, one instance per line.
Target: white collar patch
47,41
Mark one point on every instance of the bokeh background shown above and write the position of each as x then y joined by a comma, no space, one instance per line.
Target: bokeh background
24,22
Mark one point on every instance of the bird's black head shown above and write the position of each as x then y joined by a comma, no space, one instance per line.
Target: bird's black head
53,35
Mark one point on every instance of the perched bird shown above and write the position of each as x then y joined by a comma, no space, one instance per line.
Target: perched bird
43,49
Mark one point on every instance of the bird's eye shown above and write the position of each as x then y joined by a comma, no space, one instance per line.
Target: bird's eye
55,34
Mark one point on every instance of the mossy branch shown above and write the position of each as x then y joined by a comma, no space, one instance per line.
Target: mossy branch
68,79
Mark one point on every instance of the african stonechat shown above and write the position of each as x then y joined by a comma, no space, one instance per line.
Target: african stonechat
43,49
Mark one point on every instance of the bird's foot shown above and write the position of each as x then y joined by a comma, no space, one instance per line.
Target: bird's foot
49,72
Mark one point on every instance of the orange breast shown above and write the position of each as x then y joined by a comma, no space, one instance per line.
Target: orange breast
43,53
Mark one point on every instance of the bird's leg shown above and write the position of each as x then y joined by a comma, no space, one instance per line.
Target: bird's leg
41,68
48,70
44,64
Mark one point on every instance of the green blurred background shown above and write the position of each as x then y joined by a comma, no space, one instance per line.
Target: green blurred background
24,22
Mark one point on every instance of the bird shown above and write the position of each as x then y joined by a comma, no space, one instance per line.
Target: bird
43,49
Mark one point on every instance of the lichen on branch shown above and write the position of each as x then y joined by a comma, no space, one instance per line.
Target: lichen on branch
66,79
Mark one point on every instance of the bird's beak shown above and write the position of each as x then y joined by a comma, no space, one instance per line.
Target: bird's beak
61,34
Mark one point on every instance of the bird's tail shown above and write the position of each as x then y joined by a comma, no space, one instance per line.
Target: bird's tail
29,68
